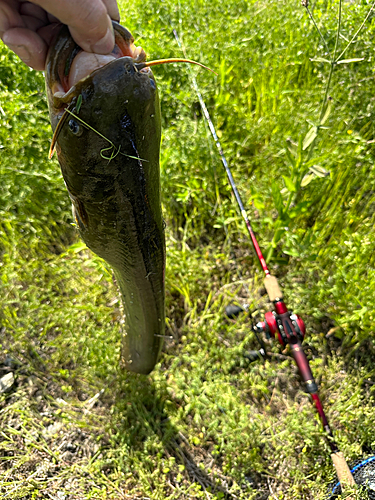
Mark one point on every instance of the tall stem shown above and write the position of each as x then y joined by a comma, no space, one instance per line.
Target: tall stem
328,85
357,32
318,30
333,63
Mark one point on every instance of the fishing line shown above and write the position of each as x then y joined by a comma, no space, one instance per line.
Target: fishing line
282,324
112,146
226,166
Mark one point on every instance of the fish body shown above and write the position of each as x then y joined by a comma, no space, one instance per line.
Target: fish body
108,146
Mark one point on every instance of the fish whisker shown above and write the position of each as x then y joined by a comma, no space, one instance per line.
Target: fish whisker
172,60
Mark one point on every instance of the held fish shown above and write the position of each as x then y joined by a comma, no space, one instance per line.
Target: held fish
105,114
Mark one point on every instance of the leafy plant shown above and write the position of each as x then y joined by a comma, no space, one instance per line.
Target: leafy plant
204,424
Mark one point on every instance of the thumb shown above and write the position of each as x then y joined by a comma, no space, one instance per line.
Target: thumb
89,21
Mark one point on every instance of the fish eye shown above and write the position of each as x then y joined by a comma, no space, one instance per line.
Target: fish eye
75,128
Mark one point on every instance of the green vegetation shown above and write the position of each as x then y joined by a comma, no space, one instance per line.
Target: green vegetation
205,424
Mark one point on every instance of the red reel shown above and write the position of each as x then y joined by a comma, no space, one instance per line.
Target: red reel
298,321
271,328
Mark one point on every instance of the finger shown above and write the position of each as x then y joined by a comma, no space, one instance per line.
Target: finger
9,17
30,9
28,45
32,23
88,21
91,41
112,9
48,32
52,19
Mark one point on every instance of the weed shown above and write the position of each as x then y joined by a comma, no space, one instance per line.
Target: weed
205,423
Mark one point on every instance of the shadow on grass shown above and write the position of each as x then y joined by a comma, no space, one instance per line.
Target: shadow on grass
144,426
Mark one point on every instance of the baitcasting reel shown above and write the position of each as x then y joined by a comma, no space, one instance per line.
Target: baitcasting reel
273,326
287,327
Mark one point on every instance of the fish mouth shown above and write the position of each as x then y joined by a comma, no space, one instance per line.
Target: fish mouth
68,64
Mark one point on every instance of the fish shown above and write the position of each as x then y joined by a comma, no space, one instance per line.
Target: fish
105,114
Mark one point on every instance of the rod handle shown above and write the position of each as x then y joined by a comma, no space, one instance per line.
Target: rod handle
272,287
342,469
304,367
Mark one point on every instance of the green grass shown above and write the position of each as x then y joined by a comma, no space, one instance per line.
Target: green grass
205,424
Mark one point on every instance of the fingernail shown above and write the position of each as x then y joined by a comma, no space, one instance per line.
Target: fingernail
107,43
21,51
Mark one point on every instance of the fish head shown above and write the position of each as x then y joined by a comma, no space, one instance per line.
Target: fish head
67,64
92,98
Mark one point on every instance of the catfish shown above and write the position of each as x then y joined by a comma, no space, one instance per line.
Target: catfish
105,114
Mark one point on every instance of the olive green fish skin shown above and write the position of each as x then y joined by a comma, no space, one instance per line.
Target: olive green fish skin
116,202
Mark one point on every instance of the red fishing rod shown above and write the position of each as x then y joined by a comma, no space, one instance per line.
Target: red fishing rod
289,328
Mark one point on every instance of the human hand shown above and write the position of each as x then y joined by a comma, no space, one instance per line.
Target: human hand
27,28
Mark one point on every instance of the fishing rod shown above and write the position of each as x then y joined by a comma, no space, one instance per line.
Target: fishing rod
288,328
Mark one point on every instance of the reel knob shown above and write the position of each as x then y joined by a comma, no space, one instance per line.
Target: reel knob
232,311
